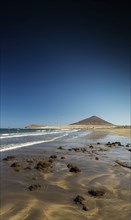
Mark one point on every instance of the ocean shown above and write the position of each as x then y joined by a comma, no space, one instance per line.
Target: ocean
17,138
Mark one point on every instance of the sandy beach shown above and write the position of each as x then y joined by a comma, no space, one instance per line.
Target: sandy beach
68,180
65,110
120,130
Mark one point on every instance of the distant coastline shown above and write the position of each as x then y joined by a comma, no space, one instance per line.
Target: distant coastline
123,130
93,122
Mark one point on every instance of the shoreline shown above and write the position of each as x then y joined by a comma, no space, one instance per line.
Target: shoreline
120,130
41,185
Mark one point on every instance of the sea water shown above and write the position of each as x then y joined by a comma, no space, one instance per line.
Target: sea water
17,138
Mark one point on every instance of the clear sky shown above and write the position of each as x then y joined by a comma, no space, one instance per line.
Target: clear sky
63,61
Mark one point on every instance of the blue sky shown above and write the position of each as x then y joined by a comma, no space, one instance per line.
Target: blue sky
61,72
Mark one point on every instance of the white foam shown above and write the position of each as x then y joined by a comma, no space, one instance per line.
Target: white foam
82,135
12,146
4,134
14,135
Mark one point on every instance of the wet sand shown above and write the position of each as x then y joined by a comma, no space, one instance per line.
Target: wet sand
100,133
122,131
103,184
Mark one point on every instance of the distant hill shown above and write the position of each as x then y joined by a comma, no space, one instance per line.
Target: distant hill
35,126
93,120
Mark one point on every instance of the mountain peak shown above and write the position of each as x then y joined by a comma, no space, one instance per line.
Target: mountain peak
93,120
94,116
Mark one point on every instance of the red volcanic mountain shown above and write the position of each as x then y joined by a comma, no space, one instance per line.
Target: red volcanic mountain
93,120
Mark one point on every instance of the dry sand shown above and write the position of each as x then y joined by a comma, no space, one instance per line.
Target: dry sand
54,199
121,130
